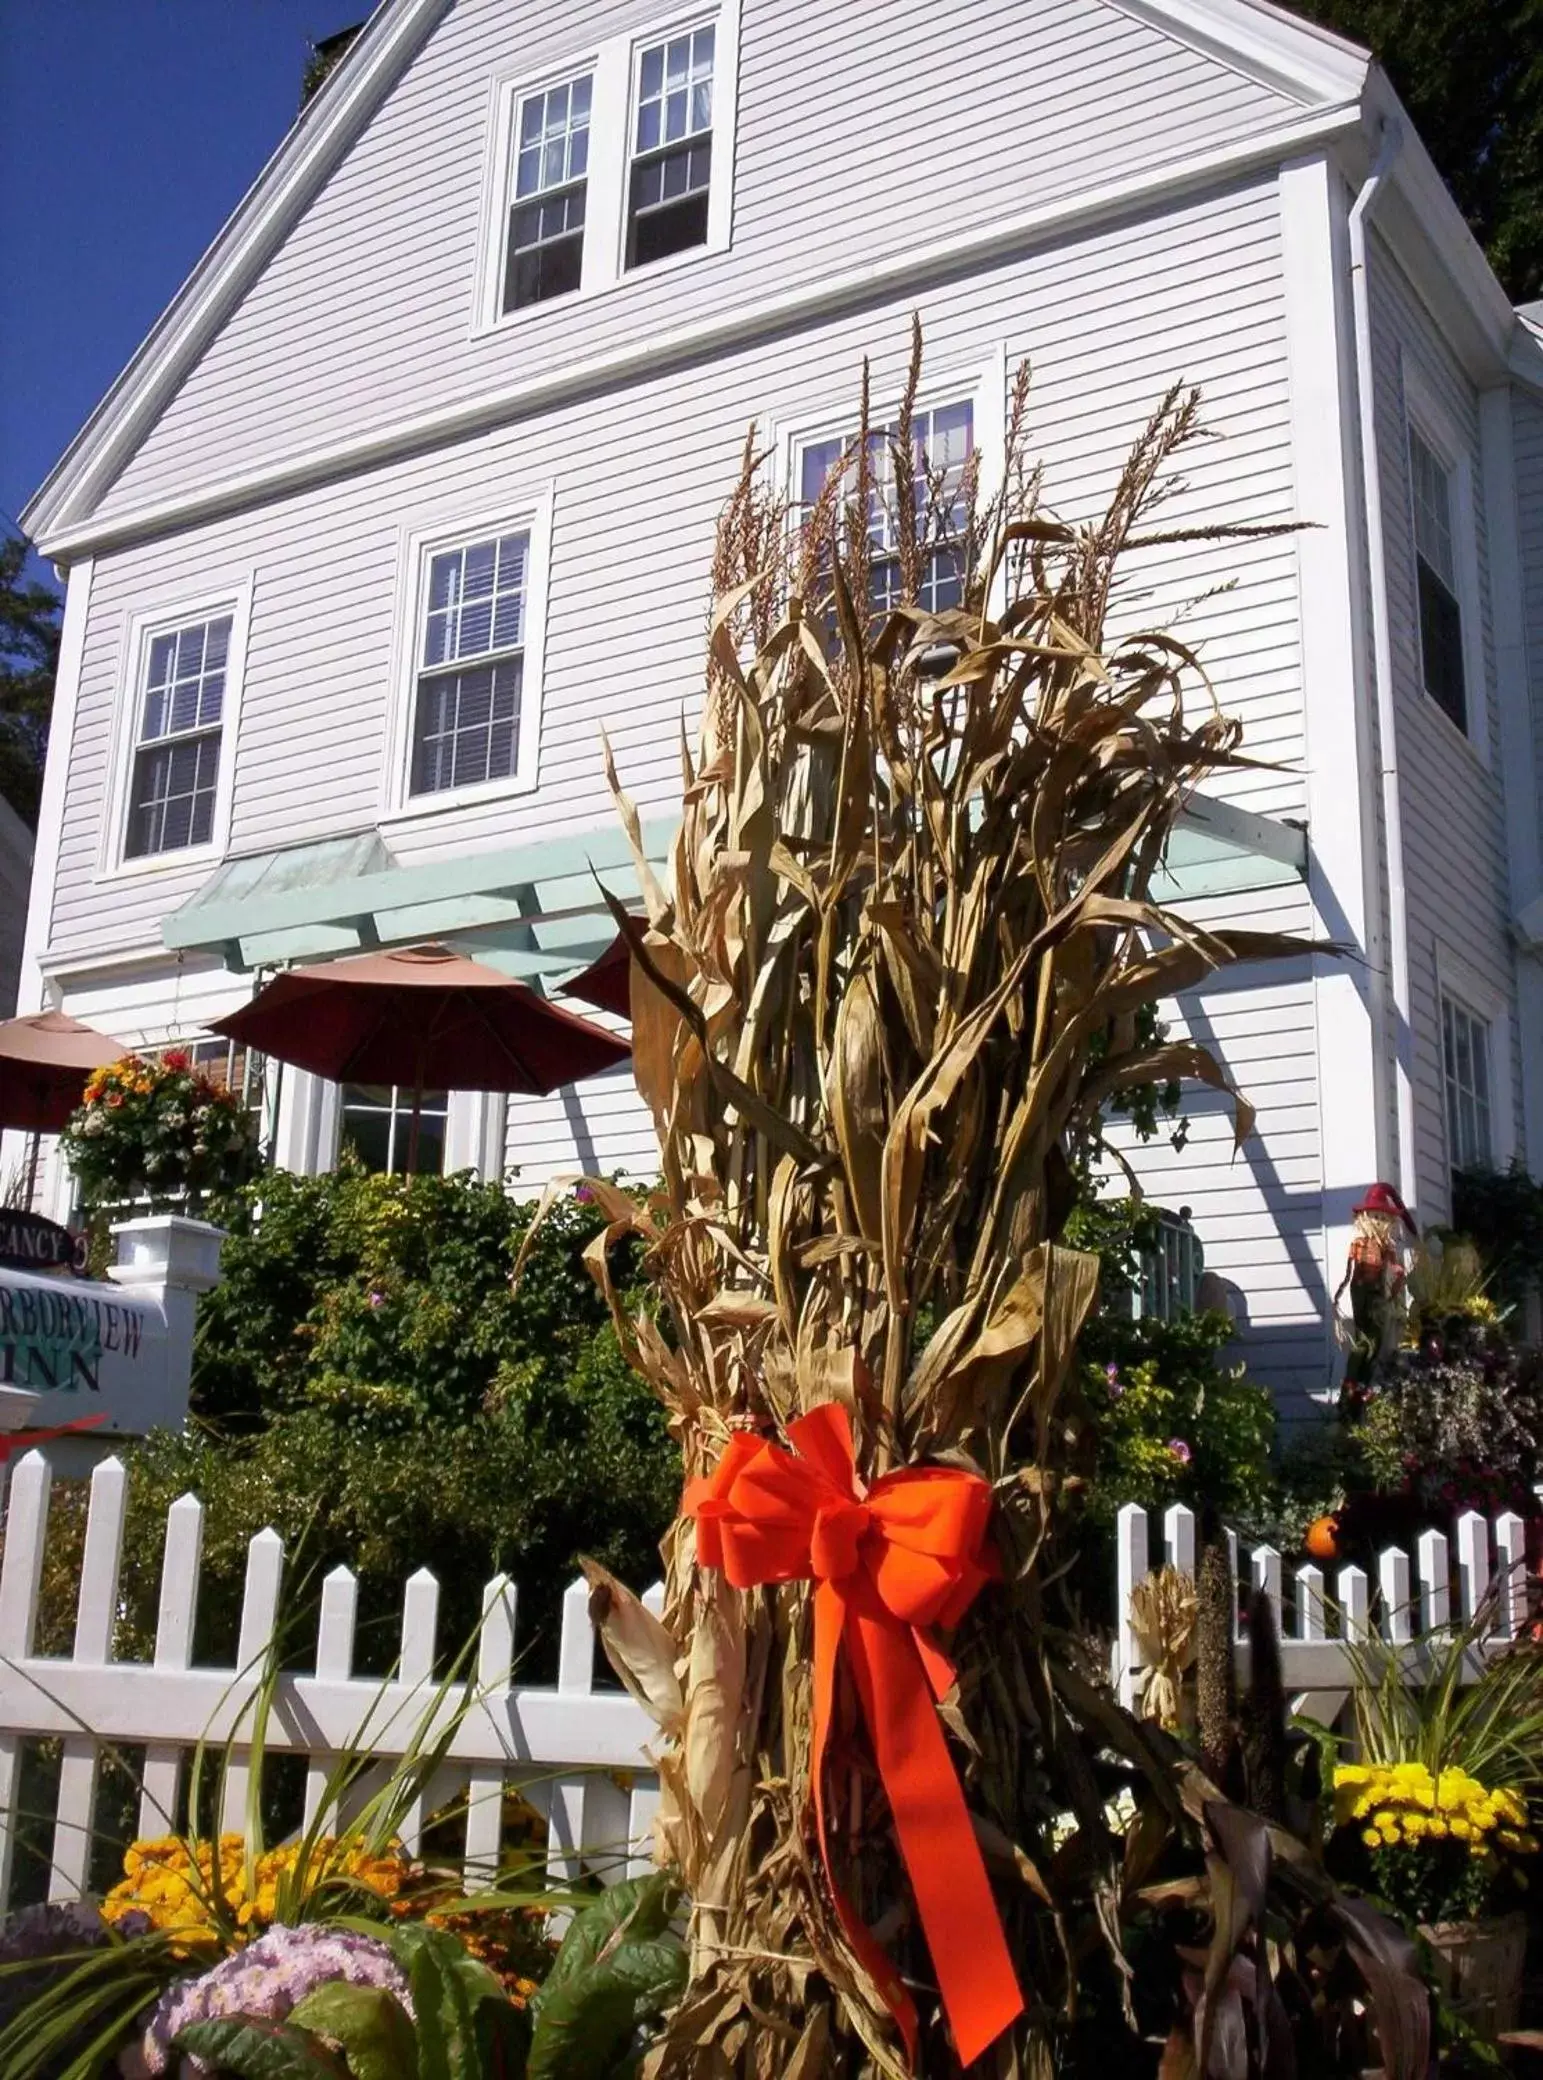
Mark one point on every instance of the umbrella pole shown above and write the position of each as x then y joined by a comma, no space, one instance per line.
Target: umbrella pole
32,1166
412,1132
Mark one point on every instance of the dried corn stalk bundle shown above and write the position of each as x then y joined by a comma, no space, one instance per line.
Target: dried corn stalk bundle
897,972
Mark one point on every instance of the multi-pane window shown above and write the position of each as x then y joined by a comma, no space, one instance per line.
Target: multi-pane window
546,218
941,443
175,779
466,713
670,176
377,1125
1441,615
1465,1058
230,1064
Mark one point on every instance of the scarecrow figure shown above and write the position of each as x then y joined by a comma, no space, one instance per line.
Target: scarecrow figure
1374,1273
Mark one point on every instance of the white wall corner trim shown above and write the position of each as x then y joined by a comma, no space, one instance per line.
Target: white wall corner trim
35,991
232,263
1517,761
1264,43
65,529
1341,842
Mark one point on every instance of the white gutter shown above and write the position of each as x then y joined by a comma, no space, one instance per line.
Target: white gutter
1390,976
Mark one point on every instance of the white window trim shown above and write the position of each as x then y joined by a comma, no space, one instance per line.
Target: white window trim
236,601
613,67
1425,415
1480,999
982,383
418,548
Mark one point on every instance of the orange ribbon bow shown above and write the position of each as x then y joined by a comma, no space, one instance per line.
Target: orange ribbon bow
887,1562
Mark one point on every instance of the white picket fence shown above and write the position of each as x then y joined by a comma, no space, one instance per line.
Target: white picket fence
1408,1602
577,1754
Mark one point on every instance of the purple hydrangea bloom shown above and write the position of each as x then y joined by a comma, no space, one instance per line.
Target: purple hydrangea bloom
268,1978
1180,1450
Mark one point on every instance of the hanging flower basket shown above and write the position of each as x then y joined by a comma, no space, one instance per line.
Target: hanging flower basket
158,1136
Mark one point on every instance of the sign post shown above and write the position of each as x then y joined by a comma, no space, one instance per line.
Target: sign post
123,1351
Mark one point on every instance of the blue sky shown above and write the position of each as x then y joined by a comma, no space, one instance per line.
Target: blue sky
129,130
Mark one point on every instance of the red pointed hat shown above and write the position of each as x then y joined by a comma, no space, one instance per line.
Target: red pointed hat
1382,1198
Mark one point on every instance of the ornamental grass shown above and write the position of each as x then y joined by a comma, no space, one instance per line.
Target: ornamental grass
904,956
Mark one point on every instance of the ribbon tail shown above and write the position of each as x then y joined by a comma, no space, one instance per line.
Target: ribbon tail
830,1612
958,1912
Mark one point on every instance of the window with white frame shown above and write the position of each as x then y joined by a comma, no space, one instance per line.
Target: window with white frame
179,723
1465,1049
545,254
1432,496
619,160
376,1127
470,677
942,442
669,179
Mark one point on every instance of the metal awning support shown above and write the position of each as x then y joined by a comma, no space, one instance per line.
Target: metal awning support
535,910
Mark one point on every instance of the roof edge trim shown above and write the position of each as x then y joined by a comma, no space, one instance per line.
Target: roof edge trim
1268,45
310,149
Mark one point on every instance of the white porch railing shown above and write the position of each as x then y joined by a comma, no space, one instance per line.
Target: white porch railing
1412,1597
576,1753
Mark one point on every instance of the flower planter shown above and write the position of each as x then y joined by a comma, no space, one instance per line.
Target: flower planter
1478,1967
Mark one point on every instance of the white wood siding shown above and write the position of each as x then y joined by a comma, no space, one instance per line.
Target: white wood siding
1453,814
1110,322
1527,423
861,133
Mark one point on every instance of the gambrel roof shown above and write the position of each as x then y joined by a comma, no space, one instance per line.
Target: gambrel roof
1322,83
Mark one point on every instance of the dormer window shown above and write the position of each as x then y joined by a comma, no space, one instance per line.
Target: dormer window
617,162
546,219
672,163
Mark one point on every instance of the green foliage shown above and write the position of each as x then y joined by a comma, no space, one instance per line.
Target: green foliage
1501,1213
367,1382
1457,1425
253,2048
619,1969
1116,1231
1450,1704
1472,79
1173,1424
29,657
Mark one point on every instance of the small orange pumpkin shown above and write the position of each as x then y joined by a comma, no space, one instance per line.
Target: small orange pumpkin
1322,1539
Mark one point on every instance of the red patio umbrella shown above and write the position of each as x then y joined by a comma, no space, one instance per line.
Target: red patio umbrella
45,1059
44,1062
423,1018
607,981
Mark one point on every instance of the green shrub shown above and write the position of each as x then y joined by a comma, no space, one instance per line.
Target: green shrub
1501,1213
1172,1423
367,1382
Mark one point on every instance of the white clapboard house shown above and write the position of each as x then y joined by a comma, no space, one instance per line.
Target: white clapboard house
413,488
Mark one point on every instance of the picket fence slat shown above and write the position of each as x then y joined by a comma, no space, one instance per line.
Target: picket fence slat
259,1616
334,1662
1433,1559
485,1785
1318,1634
1472,1562
96,1609
1511,1554
577,1751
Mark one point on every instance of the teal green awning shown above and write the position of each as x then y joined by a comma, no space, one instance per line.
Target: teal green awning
535,910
